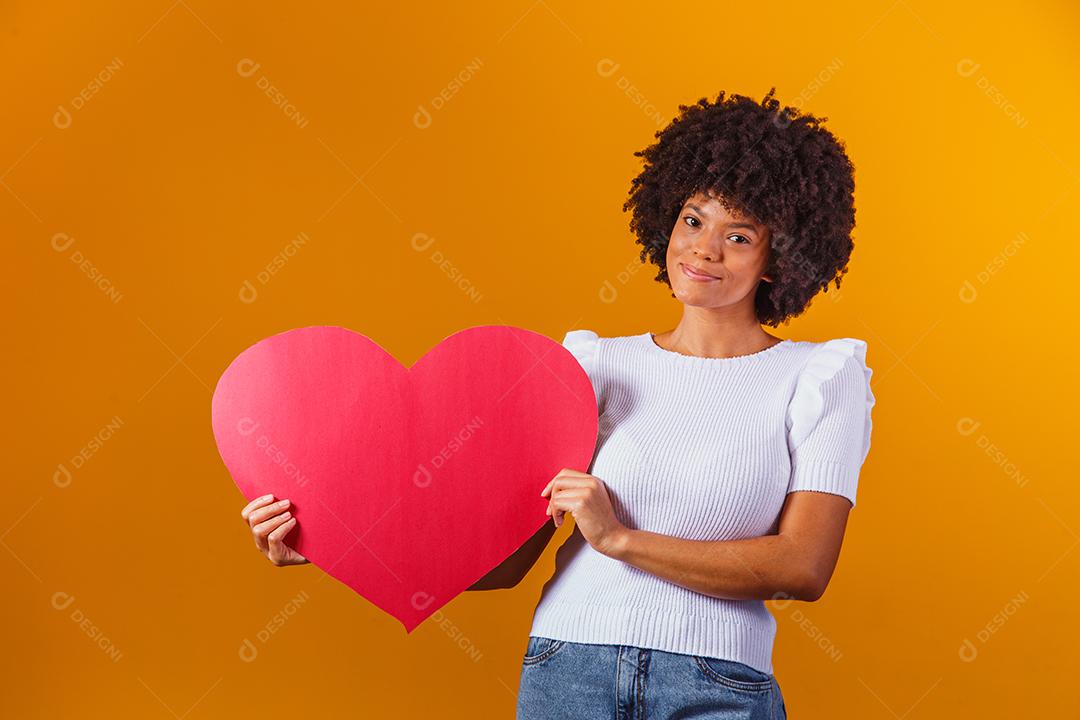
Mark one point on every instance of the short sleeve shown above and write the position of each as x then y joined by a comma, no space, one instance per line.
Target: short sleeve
583,345
829,420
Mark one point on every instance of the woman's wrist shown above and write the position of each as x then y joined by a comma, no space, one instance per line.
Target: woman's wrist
615,543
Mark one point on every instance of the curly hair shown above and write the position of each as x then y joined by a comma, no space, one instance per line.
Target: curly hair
772,164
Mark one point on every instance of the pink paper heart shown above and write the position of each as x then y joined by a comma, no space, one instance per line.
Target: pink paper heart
408,484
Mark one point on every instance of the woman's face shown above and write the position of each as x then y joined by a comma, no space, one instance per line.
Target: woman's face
733,250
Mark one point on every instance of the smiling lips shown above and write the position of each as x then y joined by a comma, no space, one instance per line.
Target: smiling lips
690,272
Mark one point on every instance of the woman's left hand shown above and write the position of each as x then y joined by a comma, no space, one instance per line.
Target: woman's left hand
586,498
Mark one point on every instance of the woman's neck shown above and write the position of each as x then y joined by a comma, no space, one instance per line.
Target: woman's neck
715,339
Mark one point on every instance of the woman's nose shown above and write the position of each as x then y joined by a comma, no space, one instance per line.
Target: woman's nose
710,245
709,249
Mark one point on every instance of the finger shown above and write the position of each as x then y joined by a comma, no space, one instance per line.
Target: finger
266,512
574,492
256,503
263,529
552,484
276,540
559,506
551,504
564,474
553,511
559,482
572,482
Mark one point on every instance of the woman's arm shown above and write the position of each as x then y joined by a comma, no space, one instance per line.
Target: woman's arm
795,563
511,570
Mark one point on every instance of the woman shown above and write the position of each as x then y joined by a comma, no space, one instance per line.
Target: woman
727,459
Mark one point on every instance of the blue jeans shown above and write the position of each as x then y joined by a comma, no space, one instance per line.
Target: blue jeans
579,681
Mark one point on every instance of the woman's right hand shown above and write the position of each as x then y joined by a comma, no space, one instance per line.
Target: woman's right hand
270,522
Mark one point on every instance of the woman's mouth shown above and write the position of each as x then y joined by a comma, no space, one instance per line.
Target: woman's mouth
689,272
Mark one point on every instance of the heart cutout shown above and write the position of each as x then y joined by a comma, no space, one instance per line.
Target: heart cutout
408,484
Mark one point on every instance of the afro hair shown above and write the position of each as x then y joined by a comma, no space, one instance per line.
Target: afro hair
775,165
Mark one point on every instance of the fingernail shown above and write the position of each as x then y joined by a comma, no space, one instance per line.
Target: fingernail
286,515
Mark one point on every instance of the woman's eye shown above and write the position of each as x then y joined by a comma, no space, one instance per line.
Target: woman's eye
743,237
688,218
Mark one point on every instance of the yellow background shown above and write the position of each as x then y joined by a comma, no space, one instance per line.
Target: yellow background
136,220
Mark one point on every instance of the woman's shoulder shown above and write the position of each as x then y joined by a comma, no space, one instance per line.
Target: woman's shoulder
586,341
838,360
834,352
842,359
581,336
587,344
583,344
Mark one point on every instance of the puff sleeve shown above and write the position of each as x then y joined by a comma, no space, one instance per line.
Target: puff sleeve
829,421
583,345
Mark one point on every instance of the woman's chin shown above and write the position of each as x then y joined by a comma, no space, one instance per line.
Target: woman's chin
697,297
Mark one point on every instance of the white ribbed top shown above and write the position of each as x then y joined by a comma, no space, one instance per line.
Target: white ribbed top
703,449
